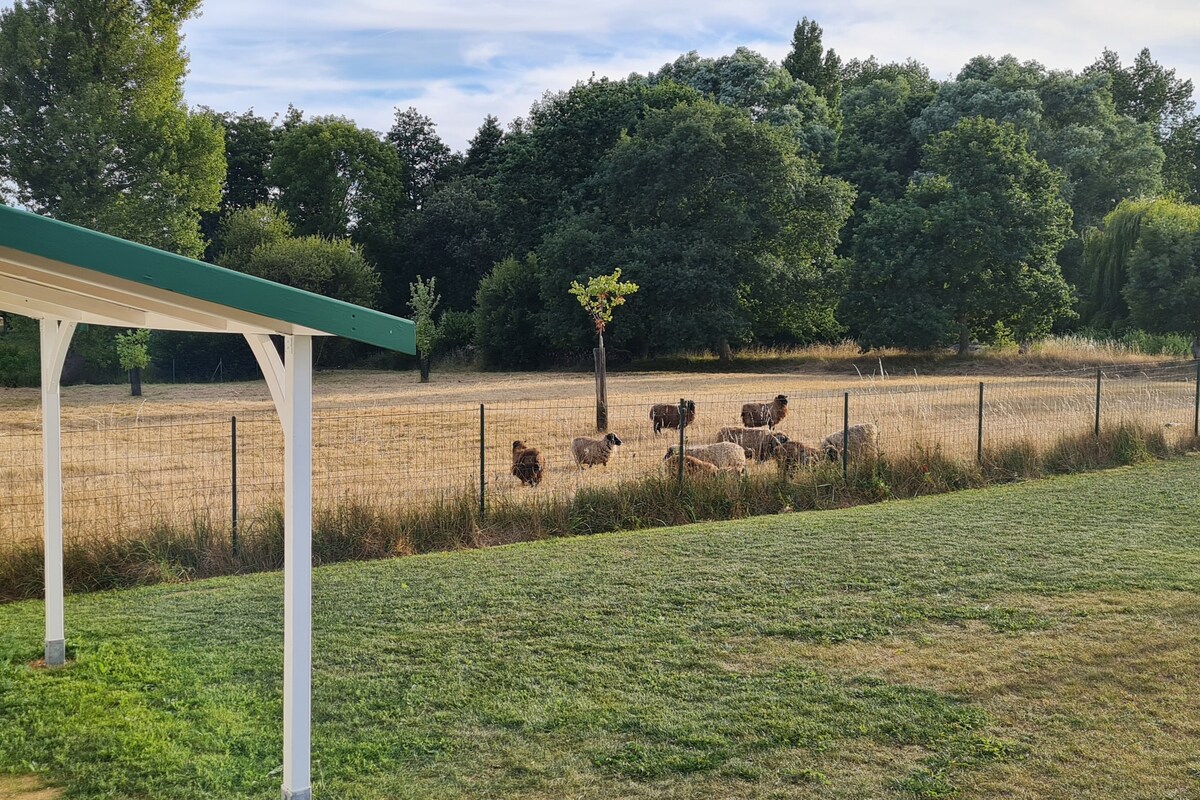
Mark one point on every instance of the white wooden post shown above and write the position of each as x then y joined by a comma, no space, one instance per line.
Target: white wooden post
297,567
55,336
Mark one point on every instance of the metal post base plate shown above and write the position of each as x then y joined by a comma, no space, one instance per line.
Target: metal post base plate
56,652
303,794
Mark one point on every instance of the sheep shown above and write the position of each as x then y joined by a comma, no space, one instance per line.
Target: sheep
864,442
666,415
722,455
790,455
760,443
691,466
758,415
529,465
590,452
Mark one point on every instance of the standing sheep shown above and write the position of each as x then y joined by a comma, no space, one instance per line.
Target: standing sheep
790,455
758,415
722,455
761,442
529,465
666,415
590,452
864,442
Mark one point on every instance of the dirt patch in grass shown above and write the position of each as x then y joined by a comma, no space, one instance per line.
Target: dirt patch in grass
25,787
1107,692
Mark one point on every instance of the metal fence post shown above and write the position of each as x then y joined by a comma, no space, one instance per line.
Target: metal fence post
979,433
233,484
1099,372
682,425
845,435
1196,412
482,492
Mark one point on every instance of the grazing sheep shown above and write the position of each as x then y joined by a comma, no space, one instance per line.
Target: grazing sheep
864,442
790,455
529,465
691,466
758,415
666,415
760,443
590,452
722,455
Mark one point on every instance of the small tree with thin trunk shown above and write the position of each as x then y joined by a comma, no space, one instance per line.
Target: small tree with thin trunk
133,352
599,297
423,302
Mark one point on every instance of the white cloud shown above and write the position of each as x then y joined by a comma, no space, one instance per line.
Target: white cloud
458,62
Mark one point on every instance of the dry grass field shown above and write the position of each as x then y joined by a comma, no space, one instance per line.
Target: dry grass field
386,439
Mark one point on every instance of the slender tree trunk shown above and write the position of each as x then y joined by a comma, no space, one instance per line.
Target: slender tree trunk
601,386
964,338
423,361
135,382
726,352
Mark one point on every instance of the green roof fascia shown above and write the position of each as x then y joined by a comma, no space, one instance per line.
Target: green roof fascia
119,258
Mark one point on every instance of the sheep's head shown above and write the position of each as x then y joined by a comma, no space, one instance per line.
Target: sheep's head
691,406
670,452
775,440
833,453
518,445
613,440
781,399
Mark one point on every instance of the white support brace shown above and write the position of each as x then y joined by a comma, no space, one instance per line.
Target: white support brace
272,369
55,337
297,567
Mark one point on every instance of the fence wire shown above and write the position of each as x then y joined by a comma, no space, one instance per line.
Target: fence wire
121,476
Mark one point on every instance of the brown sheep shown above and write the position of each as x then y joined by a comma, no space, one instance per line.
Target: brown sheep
760,443
666,415
529,465
590,452
790,455
758,415
691,466
864,442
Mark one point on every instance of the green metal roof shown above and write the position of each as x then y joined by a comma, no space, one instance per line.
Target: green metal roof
54,263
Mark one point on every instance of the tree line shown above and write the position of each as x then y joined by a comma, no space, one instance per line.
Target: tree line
752,202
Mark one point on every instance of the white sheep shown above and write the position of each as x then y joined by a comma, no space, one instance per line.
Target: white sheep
722,455
863,439
691,466
591,452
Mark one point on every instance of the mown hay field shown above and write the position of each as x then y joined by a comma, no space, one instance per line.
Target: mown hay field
383,438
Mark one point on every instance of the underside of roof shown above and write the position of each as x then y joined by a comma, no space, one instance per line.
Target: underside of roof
50,269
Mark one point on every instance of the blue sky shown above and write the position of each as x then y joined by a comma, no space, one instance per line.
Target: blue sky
457,61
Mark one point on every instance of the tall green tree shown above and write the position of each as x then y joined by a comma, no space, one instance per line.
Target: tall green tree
1147,91
425,160
728,232
765,91
968,251
332,175
483,151
1106,252
506,316
810,62
1163,290
93,125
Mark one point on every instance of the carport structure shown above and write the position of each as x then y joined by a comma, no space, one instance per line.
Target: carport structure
64,275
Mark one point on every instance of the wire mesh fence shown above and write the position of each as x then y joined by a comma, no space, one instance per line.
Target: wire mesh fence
123,476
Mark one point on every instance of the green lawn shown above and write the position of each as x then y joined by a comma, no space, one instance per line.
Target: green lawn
1036,640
